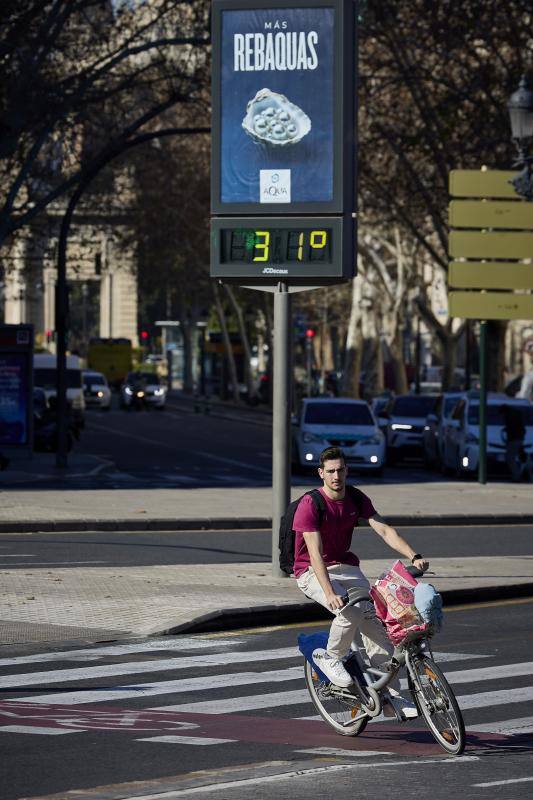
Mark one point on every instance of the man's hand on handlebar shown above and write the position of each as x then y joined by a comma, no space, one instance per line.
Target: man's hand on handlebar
335,601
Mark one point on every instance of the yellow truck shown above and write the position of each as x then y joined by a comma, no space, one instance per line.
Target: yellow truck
112,357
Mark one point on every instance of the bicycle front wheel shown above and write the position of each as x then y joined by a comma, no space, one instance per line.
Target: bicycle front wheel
337,712
436,702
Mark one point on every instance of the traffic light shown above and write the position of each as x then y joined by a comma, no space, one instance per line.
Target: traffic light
144,336
309,334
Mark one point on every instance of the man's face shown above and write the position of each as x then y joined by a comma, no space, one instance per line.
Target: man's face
334,474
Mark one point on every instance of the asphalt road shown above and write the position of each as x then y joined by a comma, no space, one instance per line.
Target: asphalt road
24,550
179,448
227,716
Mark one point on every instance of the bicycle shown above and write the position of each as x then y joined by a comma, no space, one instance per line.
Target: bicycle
348,711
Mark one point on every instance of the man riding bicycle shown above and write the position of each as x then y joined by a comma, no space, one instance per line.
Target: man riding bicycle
326,569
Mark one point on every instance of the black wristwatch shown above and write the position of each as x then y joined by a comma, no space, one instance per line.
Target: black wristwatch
416,557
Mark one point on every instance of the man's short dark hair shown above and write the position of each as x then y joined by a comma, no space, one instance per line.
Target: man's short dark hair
331,454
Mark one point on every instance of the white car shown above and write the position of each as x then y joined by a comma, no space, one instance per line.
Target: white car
143,389
96,390
338,422
404,419
45,377
460,453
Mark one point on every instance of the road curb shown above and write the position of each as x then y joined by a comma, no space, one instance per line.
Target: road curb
230,523
260,616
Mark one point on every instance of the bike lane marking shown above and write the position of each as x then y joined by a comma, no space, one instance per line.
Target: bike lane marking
412,739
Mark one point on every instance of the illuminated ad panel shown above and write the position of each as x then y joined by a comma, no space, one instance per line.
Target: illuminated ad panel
277,108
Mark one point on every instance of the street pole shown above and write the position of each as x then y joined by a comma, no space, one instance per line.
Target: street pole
417,357
281,417
482,467
309,363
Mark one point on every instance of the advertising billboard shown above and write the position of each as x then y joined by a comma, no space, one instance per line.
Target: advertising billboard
281,107
16,386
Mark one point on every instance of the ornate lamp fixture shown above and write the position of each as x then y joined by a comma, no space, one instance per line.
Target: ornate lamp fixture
520,107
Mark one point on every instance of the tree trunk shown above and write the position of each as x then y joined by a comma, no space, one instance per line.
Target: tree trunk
245,342
354,341
496,330
230,359
398,363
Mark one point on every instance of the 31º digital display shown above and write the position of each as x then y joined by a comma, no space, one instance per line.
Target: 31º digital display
276,245
296,248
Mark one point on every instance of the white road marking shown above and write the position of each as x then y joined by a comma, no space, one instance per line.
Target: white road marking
18,555
503,783
302,773
337,751
508,727
167,687
123,649
136,667
32,729
235,704
232,705
58,563
185,740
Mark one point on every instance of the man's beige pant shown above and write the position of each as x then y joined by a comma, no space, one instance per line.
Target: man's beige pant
355,619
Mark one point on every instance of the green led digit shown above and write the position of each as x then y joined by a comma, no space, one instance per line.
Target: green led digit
262,246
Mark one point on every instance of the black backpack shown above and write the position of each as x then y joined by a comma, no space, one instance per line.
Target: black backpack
287,535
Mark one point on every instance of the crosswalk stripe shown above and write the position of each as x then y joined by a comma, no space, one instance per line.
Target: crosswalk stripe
160,665
508,726
241,679
233,704
94,653
137,667
32,729
167,687
272,699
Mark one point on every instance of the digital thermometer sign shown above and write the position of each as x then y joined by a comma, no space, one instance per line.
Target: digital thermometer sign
303,248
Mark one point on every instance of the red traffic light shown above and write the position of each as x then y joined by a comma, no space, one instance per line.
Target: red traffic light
309,333
144,335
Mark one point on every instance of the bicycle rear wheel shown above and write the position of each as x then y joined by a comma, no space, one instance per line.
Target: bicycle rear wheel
337,712
436,702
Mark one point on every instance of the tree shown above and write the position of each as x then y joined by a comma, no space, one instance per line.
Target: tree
434,81
82,79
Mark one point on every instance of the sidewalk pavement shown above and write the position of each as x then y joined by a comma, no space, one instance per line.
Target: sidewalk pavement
42,605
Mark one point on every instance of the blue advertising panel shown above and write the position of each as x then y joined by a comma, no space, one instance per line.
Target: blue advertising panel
14,396
16,388
277,116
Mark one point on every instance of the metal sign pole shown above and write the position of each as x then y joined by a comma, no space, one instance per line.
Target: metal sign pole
281,416
482,467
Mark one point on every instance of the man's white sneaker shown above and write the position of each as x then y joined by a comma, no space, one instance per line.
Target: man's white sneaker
332,667
397,705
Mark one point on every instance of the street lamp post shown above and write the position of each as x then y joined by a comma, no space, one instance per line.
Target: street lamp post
520,107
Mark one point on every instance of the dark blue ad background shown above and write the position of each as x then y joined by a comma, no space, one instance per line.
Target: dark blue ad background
13,398
311,159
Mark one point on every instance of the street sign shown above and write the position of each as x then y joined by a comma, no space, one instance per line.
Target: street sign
490,305
491,244
490,275
482,183
506,215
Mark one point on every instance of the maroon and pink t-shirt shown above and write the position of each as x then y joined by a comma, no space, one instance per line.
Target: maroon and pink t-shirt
336,528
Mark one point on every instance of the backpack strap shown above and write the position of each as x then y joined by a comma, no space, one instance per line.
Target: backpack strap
318,502
356,496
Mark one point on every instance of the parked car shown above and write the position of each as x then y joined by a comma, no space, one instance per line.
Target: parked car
433,435
45,377
460,453
96,390
403,420
45,423
142,390
337,422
